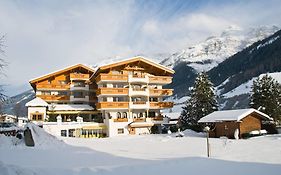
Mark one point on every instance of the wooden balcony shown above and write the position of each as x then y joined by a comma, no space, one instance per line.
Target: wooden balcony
160,92
139,119
158,118
77,76
112,77
160,79
53,86
121,120
54,97
161,105
112,105
112,91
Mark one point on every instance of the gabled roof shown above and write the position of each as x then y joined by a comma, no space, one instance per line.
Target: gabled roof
60,71
135,59
231,115
36,102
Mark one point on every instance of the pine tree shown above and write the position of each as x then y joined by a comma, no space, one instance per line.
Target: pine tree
266,96
201,103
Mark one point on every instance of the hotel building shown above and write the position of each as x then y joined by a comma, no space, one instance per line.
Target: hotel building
122,98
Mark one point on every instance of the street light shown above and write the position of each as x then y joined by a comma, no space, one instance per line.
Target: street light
207,129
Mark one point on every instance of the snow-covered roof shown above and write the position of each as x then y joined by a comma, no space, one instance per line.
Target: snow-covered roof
70,107
231,115
37,102
61,70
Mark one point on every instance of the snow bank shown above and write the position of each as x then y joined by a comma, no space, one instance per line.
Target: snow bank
42,138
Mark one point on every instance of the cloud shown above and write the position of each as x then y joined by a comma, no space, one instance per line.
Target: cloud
43,36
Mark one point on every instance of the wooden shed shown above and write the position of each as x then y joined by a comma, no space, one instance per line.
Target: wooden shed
225,123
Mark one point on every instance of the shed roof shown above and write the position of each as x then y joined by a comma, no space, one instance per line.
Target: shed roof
37,102
231,115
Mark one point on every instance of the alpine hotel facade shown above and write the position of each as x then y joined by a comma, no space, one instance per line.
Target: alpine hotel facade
121,98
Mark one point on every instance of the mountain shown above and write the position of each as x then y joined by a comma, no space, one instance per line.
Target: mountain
234,77
18,102
215,49
209,54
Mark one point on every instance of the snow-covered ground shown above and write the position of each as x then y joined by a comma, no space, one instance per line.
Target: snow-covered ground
146,154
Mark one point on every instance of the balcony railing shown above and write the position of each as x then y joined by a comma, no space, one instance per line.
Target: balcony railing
53,86
161,104
77,76
54,97
160,92
112,91
112,77
114,105
139,102
160,79
139,119
120,120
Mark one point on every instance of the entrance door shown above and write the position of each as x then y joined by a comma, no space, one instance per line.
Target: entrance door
132,131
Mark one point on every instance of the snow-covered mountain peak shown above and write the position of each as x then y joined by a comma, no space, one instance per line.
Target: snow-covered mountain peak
215,49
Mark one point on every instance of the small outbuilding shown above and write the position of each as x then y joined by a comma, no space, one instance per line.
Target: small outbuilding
230,122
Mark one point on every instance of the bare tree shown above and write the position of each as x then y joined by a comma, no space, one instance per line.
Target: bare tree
3,97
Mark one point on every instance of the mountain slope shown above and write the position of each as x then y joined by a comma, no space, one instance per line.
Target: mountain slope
210,53
20,100
215,49
261,57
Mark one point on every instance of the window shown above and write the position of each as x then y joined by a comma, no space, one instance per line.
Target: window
78,94
120,130
116,99
125,115
62,92
63,133
37,117
118,115
62,82
141,115
46,92
79,84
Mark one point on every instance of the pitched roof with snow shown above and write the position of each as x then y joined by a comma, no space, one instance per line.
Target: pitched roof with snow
231,115
70,107
36,102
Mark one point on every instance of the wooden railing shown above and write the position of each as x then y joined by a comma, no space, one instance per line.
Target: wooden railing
112,77
139,119
103,105
121,120
79,76
112,91
161,104
53,86
160,79
54,97
161,92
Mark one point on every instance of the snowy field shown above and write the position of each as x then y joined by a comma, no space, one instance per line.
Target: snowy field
146,154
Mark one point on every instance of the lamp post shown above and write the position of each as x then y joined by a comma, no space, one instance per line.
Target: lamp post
207,129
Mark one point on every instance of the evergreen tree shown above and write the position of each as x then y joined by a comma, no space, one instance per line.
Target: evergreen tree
266,96
201,103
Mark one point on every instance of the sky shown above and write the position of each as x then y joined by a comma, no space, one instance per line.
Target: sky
47,35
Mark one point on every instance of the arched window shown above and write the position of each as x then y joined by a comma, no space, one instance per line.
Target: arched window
118,114
125,115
